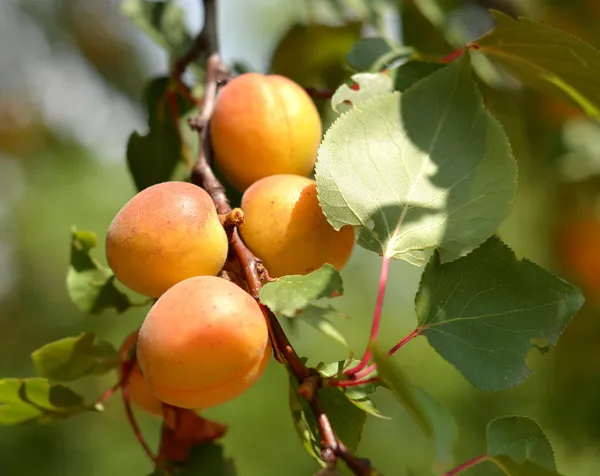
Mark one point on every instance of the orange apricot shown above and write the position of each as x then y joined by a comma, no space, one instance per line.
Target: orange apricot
264,125
203,343
286,228
139,392
165,234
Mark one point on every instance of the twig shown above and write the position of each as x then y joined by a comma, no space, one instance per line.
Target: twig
203,176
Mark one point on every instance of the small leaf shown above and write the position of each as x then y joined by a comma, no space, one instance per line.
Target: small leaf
520,447
369,85
152,158
74,357
520,438
410,170
163,21
358,395
288,294
304,422
410,73
546,58
320,319
375,54
36,400
90,285
208,460
484,312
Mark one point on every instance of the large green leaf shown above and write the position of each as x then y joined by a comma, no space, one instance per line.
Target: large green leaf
546,58
368,85
288,294
519,446
74,357
90,285
208,460
433,418
163,21
412,72
152,158
36,400
484,312
429,168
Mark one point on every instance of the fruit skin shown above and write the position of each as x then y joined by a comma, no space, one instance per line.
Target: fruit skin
264,125
166,233
139,391
285,227
204,342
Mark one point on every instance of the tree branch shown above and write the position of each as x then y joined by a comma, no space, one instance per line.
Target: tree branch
203,176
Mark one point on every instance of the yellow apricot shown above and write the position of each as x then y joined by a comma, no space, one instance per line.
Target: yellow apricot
264,125
204,342
165,234
285,227
139,392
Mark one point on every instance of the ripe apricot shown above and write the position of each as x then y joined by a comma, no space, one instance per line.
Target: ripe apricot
264,125
165,234
139,392
204,342
285,227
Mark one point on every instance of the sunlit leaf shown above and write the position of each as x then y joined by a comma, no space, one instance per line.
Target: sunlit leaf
546,58
36,400
429,168
74,357
90,285
369,85
485,312
288,294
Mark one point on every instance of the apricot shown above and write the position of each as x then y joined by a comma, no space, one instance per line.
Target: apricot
286,228
165,234
264,125
139,392
204,342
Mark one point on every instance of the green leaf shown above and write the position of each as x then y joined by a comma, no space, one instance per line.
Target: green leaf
163,21
433,418
36,400
208,460
520,447
152,158
320,319
90,285
369,85
546,58
375,54
410,73
304,422
358,395
410,170
71,358
484,312
521,438
288,294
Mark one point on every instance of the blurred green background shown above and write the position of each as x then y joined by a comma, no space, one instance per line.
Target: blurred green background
71,80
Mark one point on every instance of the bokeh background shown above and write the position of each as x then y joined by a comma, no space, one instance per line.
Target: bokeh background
72,74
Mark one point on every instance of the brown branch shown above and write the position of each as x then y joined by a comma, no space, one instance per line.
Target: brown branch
202,175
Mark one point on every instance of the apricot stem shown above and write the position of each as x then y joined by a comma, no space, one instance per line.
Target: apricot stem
385,265
234,218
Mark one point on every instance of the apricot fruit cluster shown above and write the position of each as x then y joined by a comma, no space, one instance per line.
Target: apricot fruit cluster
205,340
